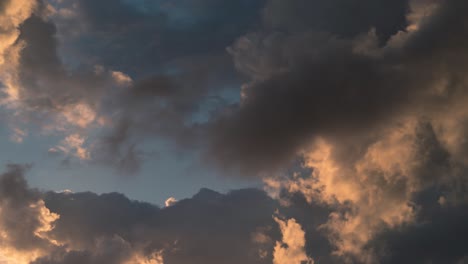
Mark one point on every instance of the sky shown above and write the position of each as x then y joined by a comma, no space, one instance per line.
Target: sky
236,131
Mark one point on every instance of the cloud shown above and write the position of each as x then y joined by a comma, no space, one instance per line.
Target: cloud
377,124
372,176
291,249
312,83
379,189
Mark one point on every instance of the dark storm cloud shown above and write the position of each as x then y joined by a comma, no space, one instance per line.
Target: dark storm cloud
307,93
308,84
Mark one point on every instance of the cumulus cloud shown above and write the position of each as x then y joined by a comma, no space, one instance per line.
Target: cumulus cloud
377,125
396,182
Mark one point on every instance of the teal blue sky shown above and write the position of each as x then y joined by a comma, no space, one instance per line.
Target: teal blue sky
162,176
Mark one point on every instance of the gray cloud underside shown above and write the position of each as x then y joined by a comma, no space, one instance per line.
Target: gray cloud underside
208,228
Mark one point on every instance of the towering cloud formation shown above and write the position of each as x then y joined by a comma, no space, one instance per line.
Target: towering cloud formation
378,124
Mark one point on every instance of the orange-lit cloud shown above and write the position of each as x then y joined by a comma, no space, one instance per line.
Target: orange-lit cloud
374,189
170,201
291,250
13,15
73,145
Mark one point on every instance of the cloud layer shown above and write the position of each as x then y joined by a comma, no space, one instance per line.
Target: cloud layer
50,227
